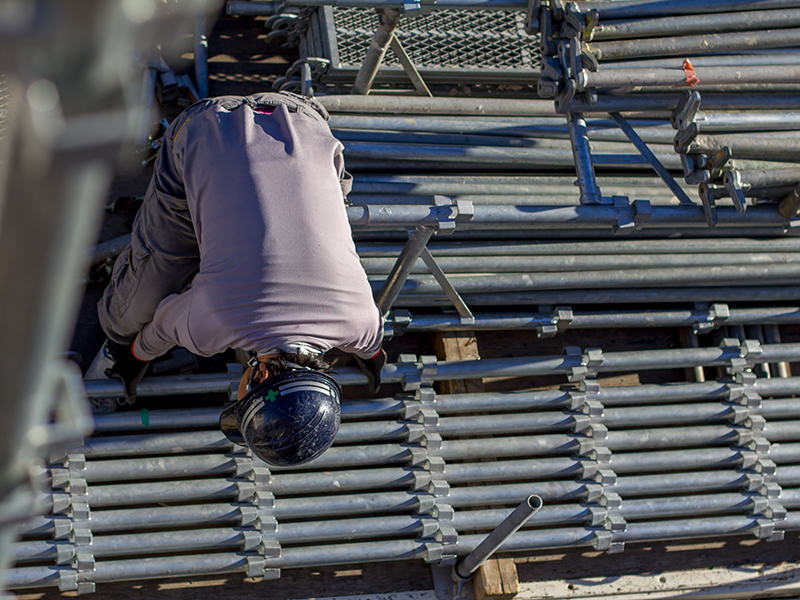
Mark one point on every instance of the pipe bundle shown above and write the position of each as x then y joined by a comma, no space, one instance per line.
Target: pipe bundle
513,273
612,58
169,495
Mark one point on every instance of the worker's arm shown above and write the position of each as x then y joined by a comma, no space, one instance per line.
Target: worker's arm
167,329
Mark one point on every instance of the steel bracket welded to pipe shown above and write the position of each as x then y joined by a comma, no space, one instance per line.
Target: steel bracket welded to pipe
416,248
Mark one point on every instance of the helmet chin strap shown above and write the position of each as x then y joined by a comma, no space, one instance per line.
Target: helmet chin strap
296,367
253,363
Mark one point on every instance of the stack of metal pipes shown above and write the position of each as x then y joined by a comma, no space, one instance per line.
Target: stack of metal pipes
514,273
502,155
702,61
164,493
463,135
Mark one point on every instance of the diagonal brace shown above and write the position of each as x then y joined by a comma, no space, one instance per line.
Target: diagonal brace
651,158
463,310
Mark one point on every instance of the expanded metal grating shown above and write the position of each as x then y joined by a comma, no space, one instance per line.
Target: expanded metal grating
474,39
448,46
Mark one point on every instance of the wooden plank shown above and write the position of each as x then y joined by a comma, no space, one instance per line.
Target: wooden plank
487,582
758,580
496,579
508,575
457,345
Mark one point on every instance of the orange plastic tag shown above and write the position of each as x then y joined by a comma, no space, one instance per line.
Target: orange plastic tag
691,76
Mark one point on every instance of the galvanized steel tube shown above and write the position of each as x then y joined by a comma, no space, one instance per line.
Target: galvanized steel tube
695,44
466,567
696,24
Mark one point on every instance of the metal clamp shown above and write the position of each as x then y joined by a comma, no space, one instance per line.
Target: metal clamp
450,212
749,351
559,319
713,319
642,211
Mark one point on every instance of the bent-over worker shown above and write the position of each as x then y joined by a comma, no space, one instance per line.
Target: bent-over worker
243,242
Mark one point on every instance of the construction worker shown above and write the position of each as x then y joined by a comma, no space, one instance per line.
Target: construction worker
243,242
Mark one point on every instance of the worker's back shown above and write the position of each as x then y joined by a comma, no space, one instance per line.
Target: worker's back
277,260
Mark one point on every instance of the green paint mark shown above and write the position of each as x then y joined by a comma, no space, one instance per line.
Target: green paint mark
271,396
145,417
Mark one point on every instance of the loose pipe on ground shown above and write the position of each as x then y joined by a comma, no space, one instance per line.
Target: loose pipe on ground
464,569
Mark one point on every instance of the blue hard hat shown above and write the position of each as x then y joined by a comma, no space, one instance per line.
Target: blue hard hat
287,419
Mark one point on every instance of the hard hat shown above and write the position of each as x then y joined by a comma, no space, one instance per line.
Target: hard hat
287,419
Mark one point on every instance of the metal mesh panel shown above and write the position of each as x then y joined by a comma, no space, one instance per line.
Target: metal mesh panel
444,39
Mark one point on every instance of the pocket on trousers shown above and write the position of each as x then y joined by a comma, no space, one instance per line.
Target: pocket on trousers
127,278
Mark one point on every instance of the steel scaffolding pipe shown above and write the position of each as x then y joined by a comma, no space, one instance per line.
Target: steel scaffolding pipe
109,521
708,76
695,44
378,104
680,483
614,296
580,217
696,24
748,147
598,320
431,156
154,517
422,185
693,247
394,373
457,403
152,568
162,542
784,56
667,102
388,19
650,130
677,277
639,9
603,141
464,569
252,8
538,199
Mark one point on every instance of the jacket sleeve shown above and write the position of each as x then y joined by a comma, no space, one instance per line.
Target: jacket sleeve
371,339
345,179
167,329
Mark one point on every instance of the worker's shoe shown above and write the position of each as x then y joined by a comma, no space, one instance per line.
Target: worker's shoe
102,362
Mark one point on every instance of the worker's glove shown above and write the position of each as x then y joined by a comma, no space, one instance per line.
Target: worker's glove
126,367
371,367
